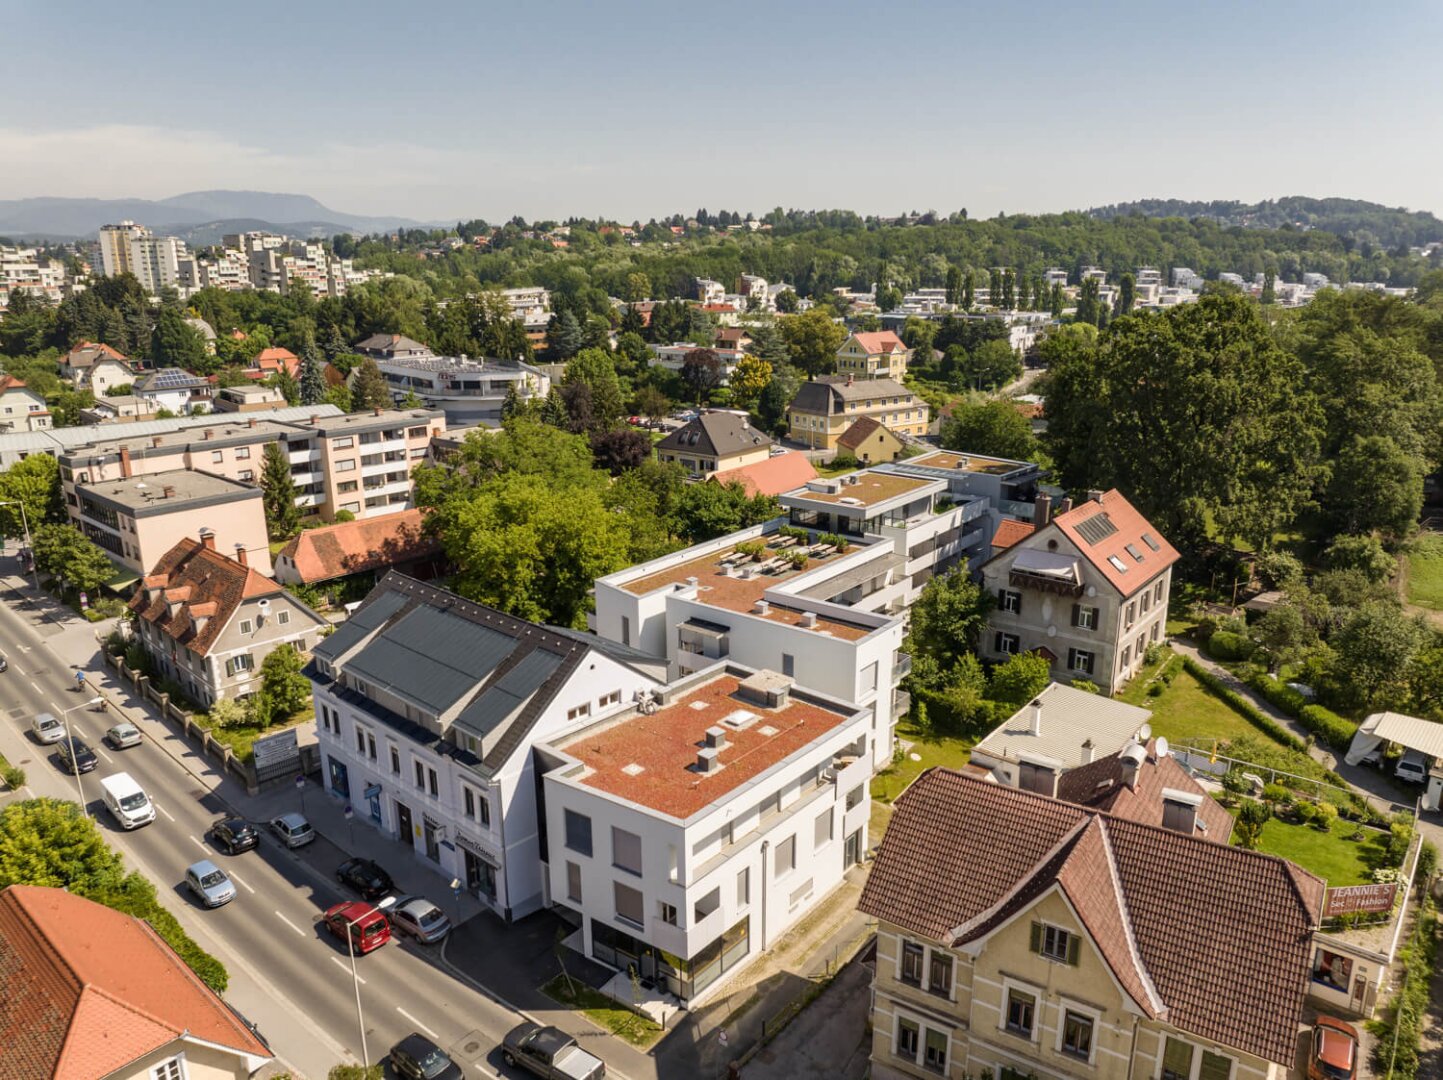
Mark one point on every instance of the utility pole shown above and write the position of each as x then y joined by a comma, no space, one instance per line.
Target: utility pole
356,981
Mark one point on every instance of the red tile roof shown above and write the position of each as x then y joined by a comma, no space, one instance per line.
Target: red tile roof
1009,531
355,546
1128,527
88,353
880,341
198,576
785,472
89,990
1099,785
274,358
10,382
1214,939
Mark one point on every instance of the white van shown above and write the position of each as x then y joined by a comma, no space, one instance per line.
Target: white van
128,804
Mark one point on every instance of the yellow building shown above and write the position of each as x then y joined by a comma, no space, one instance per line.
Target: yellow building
825,408
714,442
870,442
879,355
1020,936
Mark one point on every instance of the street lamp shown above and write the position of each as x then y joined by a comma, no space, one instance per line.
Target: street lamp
356,981
65,716
25,522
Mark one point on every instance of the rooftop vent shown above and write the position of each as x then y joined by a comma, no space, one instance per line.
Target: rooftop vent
633,769
738,720
693,581
809,619
765,688
766,731
962,463
1037,716
707,760
762,607
716,737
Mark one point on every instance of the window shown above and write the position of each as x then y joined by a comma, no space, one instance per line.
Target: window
217,456
628,904
1214,1067
911,963
1084,618
934,1055
1009,600
1157,593
626,851
939,974
578,833
1177,1060
1131,613
1007,644
667,912
432,776
610,699
786,857
573,882
1020,1010
855,796
789,664
579,711
1077,1035
484,806
349,465
360,740
420,775
1055,943
370,746
823,829
345,487
1145,602
246,626
908,1039
242,453
174,1069
239,664
469,798
343,443
1080,660
1126,656
1332,970
247,474
707,904
395,761
283,618
625,630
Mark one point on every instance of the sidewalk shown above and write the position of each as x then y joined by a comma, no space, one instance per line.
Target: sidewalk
829,1039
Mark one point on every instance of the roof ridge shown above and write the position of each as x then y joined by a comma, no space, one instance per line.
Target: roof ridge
1125,911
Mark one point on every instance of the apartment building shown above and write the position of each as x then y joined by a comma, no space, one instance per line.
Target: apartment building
1088,590
878,355
21,409
131,248
673,357
24,270
119,409
138,520
826,407
714,441
687,833
428,707
467,391
208,621
531,304
1091,946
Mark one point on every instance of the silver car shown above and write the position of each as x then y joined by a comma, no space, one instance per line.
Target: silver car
293,830
417,917
46,729
209,883
123,735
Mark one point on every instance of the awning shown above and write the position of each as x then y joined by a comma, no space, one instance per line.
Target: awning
123,579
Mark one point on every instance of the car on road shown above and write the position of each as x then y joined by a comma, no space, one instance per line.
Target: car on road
127,801
234,835
293,830
417,917
1333,1050
549,1052
123,736
417,1058
46,728
75,756
359,925
1412,767
365,877
209,883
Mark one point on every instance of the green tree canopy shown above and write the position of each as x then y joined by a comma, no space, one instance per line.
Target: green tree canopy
369,389
31,485
63,551
992,427
813,338
948,618
283,517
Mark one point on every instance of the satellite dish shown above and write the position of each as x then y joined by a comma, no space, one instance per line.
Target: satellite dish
1144,733
1162,748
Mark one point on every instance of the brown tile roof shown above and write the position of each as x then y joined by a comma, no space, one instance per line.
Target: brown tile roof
10,382
355,546
1009,531
859,432
1217,940
1128,528
201,576
784,472
275,358
89,353
1099,785
89,990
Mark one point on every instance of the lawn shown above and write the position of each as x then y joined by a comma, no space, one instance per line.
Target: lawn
1187,713
1425,573
241,737
829,469
892,781
611,1015
1330,855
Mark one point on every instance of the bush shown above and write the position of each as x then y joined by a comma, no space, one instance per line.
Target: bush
844,461
753,548
1305,811
14,777
958,712
1277,693
1326,814
1427,862
228,713
1227,645
1334,730
1400,832
1277,793
1402,1025
1156,689
1087,686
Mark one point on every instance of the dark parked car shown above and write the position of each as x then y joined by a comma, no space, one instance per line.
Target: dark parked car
549,1052
365,877
418,1058
75,756
234,835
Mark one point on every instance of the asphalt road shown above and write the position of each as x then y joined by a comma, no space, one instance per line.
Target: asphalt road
286,973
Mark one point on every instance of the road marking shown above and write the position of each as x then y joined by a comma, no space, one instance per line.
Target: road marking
434,1037
17,667
236,877
38,690
106,756
292,925
199,844
346,968
166,812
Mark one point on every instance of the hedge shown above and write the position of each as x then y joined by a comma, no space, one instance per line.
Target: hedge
1330,728
1398,1034
1225,645
1242,706
957,717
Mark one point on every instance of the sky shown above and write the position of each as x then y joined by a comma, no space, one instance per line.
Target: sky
452,109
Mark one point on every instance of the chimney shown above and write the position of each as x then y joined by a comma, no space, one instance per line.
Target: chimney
762,607
377,410
252,422
716,737
240,554
1064,505
693,581
155,441
809,620
850,378
315,419
1088,753
1037,716
1042,509
1131,759
706,760
1094,495
206,536
168,492
209,433
125,463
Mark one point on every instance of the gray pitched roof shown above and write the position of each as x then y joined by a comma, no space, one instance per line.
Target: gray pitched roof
830,393
715,434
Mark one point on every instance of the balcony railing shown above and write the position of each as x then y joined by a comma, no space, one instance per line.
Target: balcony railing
903,666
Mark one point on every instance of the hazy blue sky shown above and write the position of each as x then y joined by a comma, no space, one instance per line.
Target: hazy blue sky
450,109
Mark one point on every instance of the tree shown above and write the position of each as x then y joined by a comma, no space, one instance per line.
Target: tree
995,428
1376,484
768,344
63,551
339,396
284,690
176,343
619,450
1365,554
712,509
814,338
787,301
749,378
632,357
651,403
283,517
969,296
1089,307
594,368
948,618
638,287
1126,294
991,365
33,484
1374,648
1019,678
563,336
773,403
954,286
313,383
702,371
1252,816
369,389
1269,294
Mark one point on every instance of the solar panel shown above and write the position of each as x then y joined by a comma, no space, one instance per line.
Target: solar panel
1096,528
1151,541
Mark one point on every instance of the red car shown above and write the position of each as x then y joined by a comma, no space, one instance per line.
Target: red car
361,925
1334,1051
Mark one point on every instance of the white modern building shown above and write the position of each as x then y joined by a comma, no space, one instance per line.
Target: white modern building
686,834
427,709
468,391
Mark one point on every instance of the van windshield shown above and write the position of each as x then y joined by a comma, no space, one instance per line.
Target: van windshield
133,802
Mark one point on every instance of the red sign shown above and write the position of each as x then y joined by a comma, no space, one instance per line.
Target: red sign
1359,898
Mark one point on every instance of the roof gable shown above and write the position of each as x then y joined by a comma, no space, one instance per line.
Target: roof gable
1117,540
861,431
880,341
202,577
352,547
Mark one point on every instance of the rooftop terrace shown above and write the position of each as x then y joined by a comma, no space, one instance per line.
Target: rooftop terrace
976,463
871,489
651,759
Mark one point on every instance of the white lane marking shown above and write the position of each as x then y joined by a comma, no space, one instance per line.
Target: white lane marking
106,756
241,881
199,844
292,925
346,968
17,667
166,812
421,1026
38,690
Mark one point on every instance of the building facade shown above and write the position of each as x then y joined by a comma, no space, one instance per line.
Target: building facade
21,409
467,391
876,355
714,442
826,407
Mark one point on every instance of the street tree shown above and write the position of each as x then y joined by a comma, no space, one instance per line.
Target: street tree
278,498
64,552
749,379
30,493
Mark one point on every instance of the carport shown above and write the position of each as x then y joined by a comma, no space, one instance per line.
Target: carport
1424,736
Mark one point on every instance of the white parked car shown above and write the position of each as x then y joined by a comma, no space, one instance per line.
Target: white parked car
1412,767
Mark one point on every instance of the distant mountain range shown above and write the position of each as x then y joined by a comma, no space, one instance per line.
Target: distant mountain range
1354,218
200,217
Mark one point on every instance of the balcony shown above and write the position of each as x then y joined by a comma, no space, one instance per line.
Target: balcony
1013,508
901,704
902,666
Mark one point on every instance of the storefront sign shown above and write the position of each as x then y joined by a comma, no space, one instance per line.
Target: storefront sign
1351,899
467,844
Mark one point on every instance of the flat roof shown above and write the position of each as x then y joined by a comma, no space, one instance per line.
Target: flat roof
957,462
368,420
650,759
871,489
1069,718
226,432
145,495
741,594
